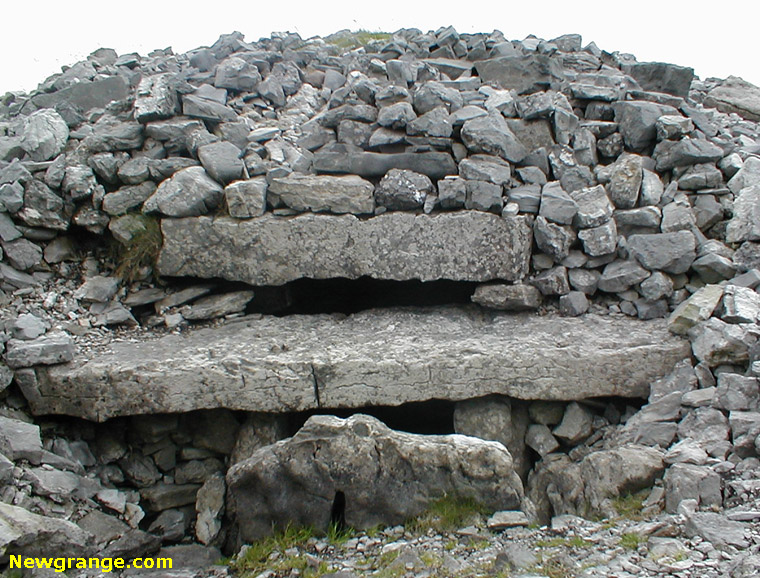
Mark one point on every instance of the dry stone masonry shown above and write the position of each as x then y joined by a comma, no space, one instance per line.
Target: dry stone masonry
578,234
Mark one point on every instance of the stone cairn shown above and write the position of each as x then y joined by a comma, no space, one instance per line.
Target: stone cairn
557,176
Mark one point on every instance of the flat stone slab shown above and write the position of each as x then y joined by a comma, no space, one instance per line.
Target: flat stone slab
376,357
271,250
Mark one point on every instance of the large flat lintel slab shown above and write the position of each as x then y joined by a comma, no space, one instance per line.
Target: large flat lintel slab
270,250
378,357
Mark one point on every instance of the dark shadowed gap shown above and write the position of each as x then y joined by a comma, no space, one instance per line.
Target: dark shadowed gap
338,512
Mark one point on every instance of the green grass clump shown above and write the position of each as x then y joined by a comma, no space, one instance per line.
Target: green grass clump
269,554
630,506
572,542
447,514
630,541
348,40
141,250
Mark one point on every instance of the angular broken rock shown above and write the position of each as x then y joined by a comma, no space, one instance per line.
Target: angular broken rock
217,305
699,307
28,534
45,135
188,193
373,474
471,245
520,297
318,361
55,347
324,193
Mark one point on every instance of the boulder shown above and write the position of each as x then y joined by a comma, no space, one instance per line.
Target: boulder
25,534
189,192
469,245
324,193
491,135
736,95
321,361
364,472
45,135
435,165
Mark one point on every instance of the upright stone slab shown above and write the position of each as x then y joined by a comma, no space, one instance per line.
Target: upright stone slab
376,357
463,246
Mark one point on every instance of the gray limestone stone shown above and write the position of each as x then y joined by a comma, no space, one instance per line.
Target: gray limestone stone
439,354
20,440
403,190
620,275
190,192
246,199
601,240
452,192
552,239
740,305
556,205
379,487
217,305
491,135
209,506
735,94
717,529
737,392
45,135
55,347
483,196
594,207
625,181
744,226
222,161
519,297
637,122
552,281
127,198
435,165
669,252
687,482
576,424
573,304
699,307
156,98
539,438
323,193
343,246
717,343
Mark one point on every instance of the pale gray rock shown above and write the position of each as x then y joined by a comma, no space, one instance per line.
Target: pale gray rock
20,440
736,95
669,252
217,306
499,419
601,240
439,354
620,275
45,135
740,305
637,122
43,208
209,506
573,304
552,239
483,196
127,198
468,245
22,254
237,74
585,280
222,161
435,165
556,205
716,529
205,109
673,127
28,326
744,226
697,308
55,347
323,193
342,459
686,152
190,192
651,188
491,135
403,190
11,197
27,534
594,207
156,98
575,425
686,452
97,289
396,116
518,297
657,286
507,519
434,94
682,379
611,473
625,181
705,425
246,199
486,168
452,192
737,392
746,176
553,281
691,482
527,198
540,439
170,525
716,343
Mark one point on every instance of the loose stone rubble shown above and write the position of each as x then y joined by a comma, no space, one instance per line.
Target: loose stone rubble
579,185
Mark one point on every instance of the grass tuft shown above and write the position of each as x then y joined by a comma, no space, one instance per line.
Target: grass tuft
140,251
630,506
447,514
348,40
630,541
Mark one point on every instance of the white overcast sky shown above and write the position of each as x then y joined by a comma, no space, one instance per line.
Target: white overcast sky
715,38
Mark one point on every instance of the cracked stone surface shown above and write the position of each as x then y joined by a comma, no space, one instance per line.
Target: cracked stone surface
377,357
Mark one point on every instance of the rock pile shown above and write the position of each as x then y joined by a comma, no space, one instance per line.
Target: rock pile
555,176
